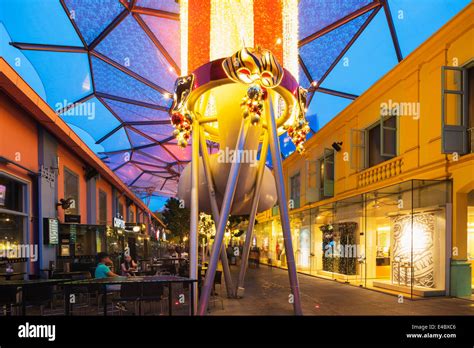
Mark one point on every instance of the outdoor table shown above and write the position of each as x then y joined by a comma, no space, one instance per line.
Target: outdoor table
24,283
8,275
165,280
67,274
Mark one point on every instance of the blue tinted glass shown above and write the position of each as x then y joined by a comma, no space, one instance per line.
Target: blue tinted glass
318,55
314,15
129,46
68,81
137,139
116,142
92,16
167,31
355,73
135,113
43,22
92,117
110,80
163,5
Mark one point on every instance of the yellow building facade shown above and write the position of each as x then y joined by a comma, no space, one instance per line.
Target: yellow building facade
383,196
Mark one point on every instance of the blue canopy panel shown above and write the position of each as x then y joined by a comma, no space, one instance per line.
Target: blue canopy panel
355,73
143,157
319,54
135,113
161,183
167,31
315,15
41,22
159,154
160,132
137,139
18,60
128,172
70,81
117,159
162,5
92,16
117,142
92,117
145,58
112,81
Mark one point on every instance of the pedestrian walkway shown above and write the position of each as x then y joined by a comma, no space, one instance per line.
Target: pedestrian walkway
267,293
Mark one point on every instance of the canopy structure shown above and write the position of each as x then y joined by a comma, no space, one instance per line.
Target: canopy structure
108,67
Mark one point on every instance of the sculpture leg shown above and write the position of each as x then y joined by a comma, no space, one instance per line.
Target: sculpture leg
223,217
253,213
215,213
282,203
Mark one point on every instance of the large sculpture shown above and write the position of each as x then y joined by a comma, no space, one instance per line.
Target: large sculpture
242,103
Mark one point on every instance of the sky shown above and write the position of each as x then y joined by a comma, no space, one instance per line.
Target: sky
65,77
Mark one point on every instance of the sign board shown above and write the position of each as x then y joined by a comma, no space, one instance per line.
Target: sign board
72,219
73,234
119,223
51,231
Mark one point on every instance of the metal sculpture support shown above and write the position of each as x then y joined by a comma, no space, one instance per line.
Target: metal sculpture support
215,212
253,213
283,205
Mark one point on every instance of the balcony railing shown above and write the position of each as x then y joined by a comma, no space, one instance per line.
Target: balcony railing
380,172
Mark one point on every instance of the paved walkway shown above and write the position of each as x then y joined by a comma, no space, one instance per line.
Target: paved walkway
267,293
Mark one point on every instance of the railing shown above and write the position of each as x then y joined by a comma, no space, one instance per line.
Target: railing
380,172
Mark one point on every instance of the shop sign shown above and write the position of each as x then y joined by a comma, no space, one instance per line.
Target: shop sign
72,219
73,234
51,231
119,223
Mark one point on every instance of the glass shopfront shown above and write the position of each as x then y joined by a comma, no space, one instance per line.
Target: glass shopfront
14,226
392,239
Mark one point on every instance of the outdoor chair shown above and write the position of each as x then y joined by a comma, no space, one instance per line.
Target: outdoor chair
152,293
37,295
9,300
129,293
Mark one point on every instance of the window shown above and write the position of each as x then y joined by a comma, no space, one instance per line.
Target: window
71,190
311,183
295,190
102,207
457,109
120,210
375,144
325,174
381,141
13,219
131,215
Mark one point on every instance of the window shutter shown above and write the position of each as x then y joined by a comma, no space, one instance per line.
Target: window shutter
385,132
454,117
328,159
357,154
311,184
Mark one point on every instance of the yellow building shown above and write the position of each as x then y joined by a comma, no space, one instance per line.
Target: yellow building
392,207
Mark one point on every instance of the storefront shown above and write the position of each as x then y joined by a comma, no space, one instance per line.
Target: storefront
14,225
392,239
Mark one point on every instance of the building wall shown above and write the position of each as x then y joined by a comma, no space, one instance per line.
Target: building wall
417,79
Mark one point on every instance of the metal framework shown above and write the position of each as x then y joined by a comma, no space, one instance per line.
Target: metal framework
129,9
139,14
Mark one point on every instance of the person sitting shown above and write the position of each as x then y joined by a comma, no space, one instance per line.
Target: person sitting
127,266
103,270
